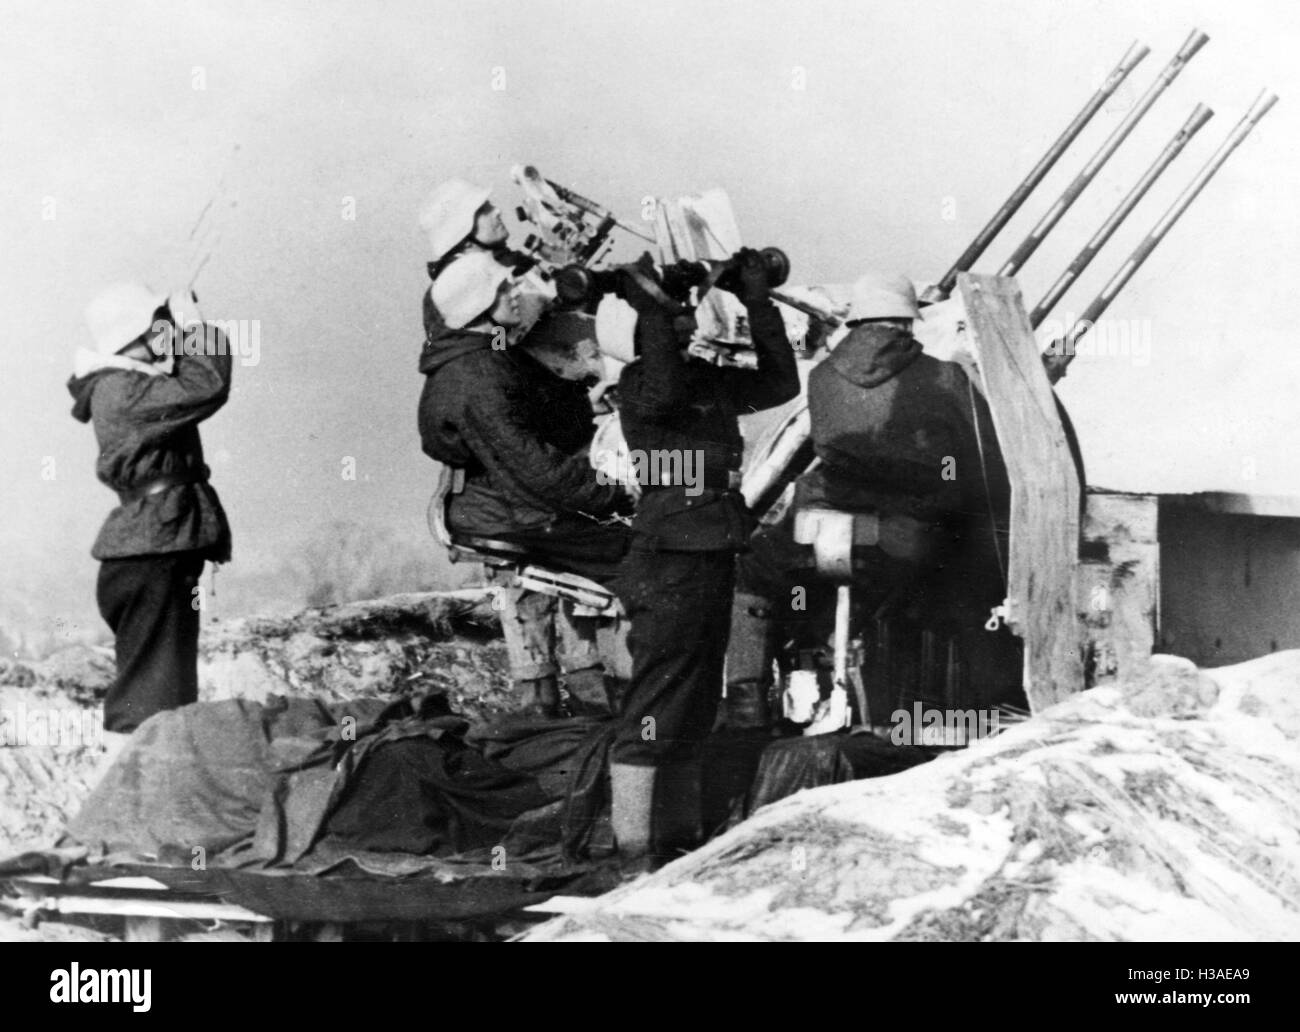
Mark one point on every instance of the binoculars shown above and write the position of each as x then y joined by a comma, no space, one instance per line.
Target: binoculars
576,284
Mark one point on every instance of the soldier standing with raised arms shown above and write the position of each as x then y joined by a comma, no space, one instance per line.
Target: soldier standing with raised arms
677,580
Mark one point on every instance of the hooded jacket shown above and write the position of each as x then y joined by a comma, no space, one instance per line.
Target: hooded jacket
147,428
896,432
519,431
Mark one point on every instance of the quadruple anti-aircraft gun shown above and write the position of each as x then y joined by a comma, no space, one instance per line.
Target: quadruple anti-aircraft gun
985,317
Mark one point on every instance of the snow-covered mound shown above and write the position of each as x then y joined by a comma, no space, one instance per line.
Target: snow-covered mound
51,741
1167,807
399,645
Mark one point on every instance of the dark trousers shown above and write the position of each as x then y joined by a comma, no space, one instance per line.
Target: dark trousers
680,607
575,545
149,603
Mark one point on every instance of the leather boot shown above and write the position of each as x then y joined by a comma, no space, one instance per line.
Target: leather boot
747,705
676,819
632,791
588,695
538,697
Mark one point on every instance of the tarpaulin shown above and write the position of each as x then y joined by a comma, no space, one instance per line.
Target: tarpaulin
790,765
250,785
372,810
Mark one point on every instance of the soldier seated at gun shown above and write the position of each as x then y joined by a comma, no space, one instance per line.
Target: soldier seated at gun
900,435
519,434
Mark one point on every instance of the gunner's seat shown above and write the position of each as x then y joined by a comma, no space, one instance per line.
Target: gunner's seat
509,561
919,646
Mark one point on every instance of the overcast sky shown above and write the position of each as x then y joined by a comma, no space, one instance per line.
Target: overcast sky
122,122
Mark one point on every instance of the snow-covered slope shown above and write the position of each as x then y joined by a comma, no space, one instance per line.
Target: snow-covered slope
1164,808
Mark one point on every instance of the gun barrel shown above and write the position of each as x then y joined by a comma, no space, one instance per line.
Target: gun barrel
809,309
1199,116
1132,57
1060,353
1045,225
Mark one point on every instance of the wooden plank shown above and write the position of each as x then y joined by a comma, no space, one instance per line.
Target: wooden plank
1239,503
144,929
1119,584
1041,568
199,910
263,931
565,905
139,884
1112,517
1118,607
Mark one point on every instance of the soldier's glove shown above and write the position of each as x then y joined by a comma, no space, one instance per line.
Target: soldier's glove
747,278
625,504
641,287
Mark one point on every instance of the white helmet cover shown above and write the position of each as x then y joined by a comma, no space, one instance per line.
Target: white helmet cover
877,296
121,313
467,288
448,214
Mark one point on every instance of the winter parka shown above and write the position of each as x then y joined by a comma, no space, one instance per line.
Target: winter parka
520,432
148,431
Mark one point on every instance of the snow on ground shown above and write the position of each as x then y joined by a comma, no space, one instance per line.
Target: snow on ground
51,743
1089,821
1167,807
52,749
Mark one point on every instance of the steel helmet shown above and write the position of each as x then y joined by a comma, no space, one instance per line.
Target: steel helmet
121,313
448,214
467,288
878,296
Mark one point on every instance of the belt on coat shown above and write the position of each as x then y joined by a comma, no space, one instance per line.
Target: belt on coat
722,479
711,479
193,475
